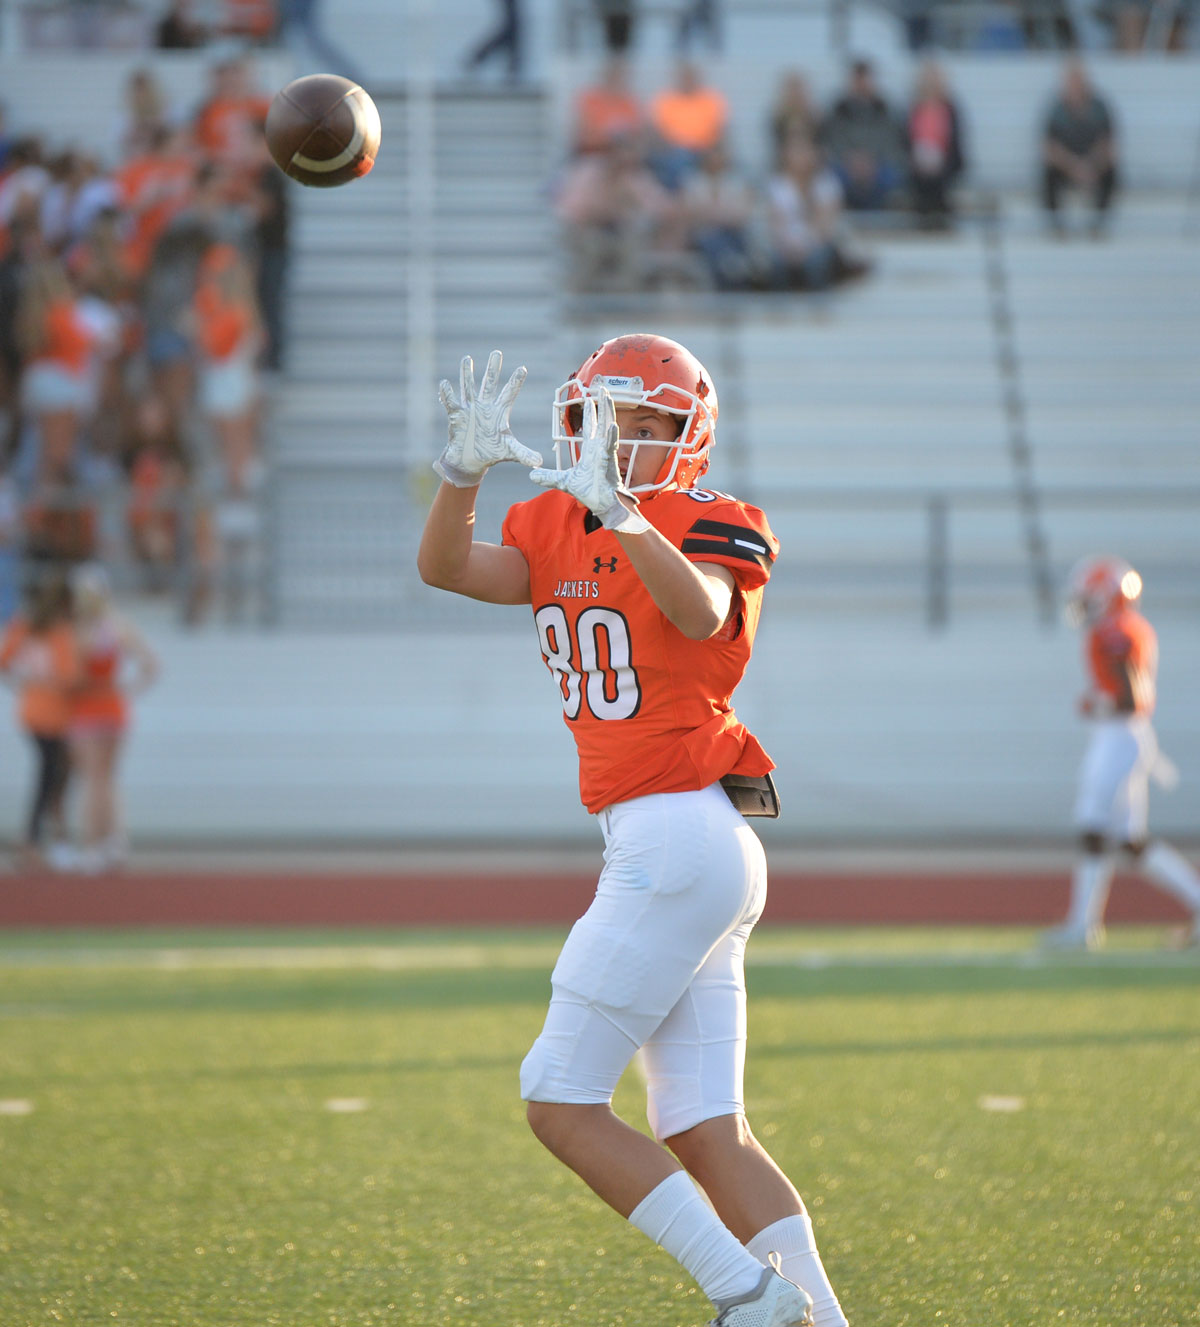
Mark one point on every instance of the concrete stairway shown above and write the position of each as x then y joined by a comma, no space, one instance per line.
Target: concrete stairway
349,483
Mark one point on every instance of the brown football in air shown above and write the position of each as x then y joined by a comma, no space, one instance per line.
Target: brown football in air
323,130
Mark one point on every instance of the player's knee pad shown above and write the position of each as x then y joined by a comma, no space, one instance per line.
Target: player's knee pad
552,1072
1093,842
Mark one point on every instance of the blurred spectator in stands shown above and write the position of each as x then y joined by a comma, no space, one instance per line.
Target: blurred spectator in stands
229,339
77,194
1001,28
270,246
504,39
804,218
607,109
247,20
170,286
687,119
39,658
793,114
178,30
301,30
144,114
935,147
719,204
158,474
917,17
617,18
1078,149
696,16
24,247
232,111
617,216
864,142
152,188
25,181
108,644
6,140
56,345
1134,21
169,523
10,546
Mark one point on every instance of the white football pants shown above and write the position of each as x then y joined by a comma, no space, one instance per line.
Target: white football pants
1114,781
656,963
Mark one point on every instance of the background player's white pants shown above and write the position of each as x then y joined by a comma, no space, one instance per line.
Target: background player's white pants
657,962
1114,780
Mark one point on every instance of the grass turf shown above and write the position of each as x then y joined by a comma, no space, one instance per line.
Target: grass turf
320,1129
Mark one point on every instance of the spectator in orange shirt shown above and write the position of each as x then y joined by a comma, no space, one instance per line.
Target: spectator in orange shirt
39,657
99,714
607,109
688,119
232,111
152,188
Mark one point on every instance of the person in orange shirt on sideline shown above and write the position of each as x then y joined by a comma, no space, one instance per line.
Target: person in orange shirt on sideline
688,119
646,590
1112,803
99,715
40,658
608,110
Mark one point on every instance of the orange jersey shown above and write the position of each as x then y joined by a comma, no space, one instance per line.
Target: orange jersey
47,665
1124,640
650,710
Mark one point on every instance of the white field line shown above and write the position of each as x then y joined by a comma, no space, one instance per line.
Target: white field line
452,958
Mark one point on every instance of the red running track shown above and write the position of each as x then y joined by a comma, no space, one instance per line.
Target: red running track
206,898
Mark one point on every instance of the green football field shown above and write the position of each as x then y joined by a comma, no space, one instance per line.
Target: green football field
319,1129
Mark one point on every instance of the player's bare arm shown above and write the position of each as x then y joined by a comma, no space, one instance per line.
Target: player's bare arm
695,597
479,436
450,558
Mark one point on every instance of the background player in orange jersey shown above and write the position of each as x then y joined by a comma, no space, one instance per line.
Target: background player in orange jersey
1122,756
646,593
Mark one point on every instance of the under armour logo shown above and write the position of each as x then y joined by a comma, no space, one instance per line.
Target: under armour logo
610,563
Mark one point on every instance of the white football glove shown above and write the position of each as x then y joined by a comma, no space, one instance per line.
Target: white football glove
595,479
479,431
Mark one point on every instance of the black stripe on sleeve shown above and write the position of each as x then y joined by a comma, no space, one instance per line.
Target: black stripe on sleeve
720,539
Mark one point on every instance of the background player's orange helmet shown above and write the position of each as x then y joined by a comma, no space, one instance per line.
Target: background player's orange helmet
1098,585
641,369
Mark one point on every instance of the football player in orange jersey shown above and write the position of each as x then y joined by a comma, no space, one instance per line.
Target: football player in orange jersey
645,593
1122,756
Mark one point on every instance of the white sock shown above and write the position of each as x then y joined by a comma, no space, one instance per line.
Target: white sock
675,1215
792,1239
1089,891
1169,869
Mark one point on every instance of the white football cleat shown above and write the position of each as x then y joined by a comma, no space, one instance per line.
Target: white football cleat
774,1302
1073,937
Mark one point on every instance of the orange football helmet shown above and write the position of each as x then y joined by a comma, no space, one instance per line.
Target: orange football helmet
1100,585
642,369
